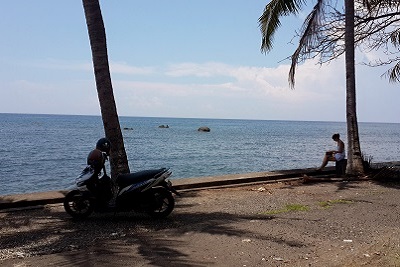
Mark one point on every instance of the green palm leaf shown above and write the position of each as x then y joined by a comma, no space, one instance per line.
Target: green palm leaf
269,21
308,37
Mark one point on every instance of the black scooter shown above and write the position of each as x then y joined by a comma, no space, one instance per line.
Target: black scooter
147,191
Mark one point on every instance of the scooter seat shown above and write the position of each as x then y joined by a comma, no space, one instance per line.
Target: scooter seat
137,177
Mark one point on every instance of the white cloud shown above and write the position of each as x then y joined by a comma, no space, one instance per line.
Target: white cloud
259,91
53,64
198,70
115,67
123,68
214,90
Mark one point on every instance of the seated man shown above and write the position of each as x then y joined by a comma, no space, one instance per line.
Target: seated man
334,155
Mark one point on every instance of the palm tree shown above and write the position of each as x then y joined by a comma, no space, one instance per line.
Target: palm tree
354,157
269,23
112,129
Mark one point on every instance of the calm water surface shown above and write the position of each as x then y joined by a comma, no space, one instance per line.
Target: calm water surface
47,152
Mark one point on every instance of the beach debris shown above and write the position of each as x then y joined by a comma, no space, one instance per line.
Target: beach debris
306,178
20,254
73,247
261,189
347,240
247,240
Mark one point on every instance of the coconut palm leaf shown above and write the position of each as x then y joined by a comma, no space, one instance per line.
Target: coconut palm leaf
308,37
395,37
269,21
394,73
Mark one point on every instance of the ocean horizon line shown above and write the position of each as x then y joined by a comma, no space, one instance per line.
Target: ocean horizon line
190,118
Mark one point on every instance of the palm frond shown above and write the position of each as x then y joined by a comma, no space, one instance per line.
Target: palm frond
308,36
394,73
374,4
269,21
395,37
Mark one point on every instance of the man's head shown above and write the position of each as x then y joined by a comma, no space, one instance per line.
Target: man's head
336,136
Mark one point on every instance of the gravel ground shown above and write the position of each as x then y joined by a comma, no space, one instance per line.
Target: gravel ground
284,224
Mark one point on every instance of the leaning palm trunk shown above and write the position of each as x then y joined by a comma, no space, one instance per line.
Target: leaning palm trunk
354,162
97,36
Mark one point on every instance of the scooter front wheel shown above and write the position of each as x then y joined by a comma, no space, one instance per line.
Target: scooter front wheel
78,205
164,203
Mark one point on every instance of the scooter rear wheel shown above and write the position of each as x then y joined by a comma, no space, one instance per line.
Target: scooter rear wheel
78,205
164,203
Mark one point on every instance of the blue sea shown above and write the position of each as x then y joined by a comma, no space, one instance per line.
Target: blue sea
46,152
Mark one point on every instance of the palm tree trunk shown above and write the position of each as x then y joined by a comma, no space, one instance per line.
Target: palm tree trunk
354,162
97,36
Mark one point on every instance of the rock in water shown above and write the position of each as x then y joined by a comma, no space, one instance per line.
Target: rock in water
203,129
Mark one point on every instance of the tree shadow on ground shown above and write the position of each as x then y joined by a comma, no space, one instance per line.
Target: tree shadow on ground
342,184
126,237
388,176
388,183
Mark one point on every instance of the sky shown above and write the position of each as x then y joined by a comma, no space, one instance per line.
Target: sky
185,59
